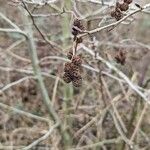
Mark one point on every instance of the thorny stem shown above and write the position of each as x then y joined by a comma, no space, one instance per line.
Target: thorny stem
75,45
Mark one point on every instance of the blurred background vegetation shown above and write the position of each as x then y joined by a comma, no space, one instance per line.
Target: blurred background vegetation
102,106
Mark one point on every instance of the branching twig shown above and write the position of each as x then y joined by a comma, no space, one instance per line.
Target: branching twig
121,74
37,28
41,138
99,144
110,25
15,83
37,71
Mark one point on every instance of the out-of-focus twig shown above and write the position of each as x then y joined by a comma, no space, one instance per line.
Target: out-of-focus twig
121,74
51,129
21,112
15,83
37,28
98,144
94,119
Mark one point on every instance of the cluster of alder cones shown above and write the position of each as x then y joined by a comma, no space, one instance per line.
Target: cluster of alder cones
120,7
72,70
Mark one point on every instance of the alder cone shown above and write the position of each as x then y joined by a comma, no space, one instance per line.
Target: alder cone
76,60
74,32
118,15
70,67
67,67
124,7
72,70
128,1
77,82
66,77
75,75
77,23
121,57
113,13
118,5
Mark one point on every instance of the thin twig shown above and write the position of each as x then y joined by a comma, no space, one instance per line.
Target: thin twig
99,144
15,83
9,21
37,28
139,122
35,64
5,30
55,90
110,25
41,138
94,119
21,112
121,74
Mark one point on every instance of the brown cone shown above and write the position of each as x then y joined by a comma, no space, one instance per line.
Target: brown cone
121,57
124,7
77,82
66,78
77,23
128,1
76,60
